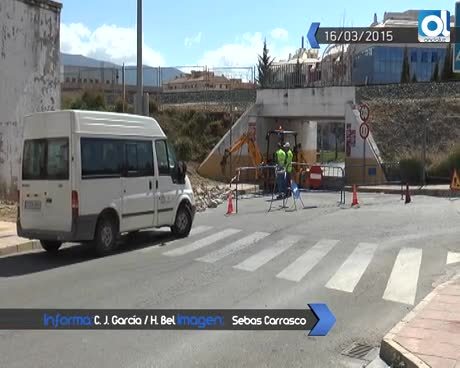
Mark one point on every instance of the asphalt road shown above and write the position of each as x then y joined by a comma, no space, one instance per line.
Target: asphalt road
370,265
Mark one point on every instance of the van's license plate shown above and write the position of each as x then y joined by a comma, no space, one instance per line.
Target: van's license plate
32,205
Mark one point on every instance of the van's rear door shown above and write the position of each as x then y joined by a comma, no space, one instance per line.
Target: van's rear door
46,188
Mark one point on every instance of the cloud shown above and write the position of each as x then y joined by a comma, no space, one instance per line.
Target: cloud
189,41
107,43
245,50
279,34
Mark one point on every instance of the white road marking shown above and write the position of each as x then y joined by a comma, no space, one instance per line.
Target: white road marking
348,275
302,265
453,257
199,229
402,284
233,247
201,243
259,259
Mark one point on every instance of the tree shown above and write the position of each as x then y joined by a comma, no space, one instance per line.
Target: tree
263,67
447,72
405,72
435,75
90,100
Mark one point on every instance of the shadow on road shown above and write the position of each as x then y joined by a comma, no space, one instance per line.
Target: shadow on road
26,263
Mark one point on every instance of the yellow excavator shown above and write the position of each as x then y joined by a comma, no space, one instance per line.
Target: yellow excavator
254,152
257,158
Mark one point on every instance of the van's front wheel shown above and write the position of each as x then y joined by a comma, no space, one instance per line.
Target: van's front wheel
105,241
183,223
50,246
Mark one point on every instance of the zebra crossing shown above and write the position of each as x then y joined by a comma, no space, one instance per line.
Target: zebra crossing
401,285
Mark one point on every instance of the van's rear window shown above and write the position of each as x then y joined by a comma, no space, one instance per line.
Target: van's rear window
46,159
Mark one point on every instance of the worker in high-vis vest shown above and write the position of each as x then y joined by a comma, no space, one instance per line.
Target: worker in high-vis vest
288,165
280,156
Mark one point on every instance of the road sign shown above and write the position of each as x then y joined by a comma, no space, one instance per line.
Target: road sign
456,63
455,184
364,112
364,130
315,177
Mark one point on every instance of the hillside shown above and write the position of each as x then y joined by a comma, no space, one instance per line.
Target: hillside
150,74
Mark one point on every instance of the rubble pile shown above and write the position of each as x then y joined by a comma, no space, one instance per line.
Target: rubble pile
8,211
208,193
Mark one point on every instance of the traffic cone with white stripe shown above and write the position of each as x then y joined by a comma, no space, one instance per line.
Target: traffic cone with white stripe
229,203
355,202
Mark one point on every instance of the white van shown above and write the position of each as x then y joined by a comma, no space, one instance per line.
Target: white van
89,176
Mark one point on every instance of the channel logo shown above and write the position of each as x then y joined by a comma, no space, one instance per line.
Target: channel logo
434,26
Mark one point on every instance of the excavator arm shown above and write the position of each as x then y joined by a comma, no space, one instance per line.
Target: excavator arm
254,152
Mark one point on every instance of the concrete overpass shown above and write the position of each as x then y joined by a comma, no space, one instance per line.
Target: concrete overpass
301,110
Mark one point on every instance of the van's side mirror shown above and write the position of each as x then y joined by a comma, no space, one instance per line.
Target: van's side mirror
181,172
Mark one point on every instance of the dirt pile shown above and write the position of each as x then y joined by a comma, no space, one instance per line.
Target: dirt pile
8,211
208,193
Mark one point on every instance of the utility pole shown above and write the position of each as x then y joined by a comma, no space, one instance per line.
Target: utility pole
140,89
123,85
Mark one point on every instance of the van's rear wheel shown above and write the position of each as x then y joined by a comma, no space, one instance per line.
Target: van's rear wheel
105,240
183,223
50,246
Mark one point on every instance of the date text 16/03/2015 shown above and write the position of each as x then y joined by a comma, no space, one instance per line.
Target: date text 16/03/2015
358,36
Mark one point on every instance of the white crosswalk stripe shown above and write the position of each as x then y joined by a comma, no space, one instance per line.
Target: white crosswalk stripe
233,247
351,271
402,284
452,257
199,229
300,267
201,243
259,259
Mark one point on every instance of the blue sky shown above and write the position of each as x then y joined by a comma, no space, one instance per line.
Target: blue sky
212,33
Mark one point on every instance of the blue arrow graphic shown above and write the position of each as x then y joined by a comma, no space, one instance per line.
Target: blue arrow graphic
326,320
311,35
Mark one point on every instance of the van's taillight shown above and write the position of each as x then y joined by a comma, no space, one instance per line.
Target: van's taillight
74,203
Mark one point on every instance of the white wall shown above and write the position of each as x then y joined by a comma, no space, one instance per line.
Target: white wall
309,103
29,75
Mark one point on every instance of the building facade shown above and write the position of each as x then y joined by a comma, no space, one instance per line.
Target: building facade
204,80
29,76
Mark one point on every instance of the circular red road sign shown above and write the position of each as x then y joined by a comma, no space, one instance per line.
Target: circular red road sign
364,112
364,130
315,177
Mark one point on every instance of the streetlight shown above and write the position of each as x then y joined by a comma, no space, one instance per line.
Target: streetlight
140,92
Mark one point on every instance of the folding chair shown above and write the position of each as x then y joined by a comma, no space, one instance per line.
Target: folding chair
295,194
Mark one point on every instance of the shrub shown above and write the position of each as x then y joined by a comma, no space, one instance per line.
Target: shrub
184,148
411,170
444,168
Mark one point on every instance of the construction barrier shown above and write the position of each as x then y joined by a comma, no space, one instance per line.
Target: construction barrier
332,179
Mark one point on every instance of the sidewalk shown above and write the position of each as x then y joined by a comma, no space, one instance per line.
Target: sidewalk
429,336
11,243
442,190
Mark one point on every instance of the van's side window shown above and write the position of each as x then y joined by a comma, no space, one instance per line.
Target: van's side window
171,157
162,157
139,158
101,157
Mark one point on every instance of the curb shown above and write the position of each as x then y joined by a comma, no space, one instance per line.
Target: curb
393,353
20,247
428,192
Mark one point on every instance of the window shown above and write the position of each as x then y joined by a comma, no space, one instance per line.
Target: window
434,57
139,158
413,56
101,158
424,57
162,157
46,159
171,157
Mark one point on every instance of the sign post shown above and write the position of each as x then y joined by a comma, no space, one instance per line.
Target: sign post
364,113
456,63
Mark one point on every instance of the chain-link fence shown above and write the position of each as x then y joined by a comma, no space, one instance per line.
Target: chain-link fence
417,129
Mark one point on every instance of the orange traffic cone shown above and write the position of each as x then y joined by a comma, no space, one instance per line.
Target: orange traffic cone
229,203
407,194
355,197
